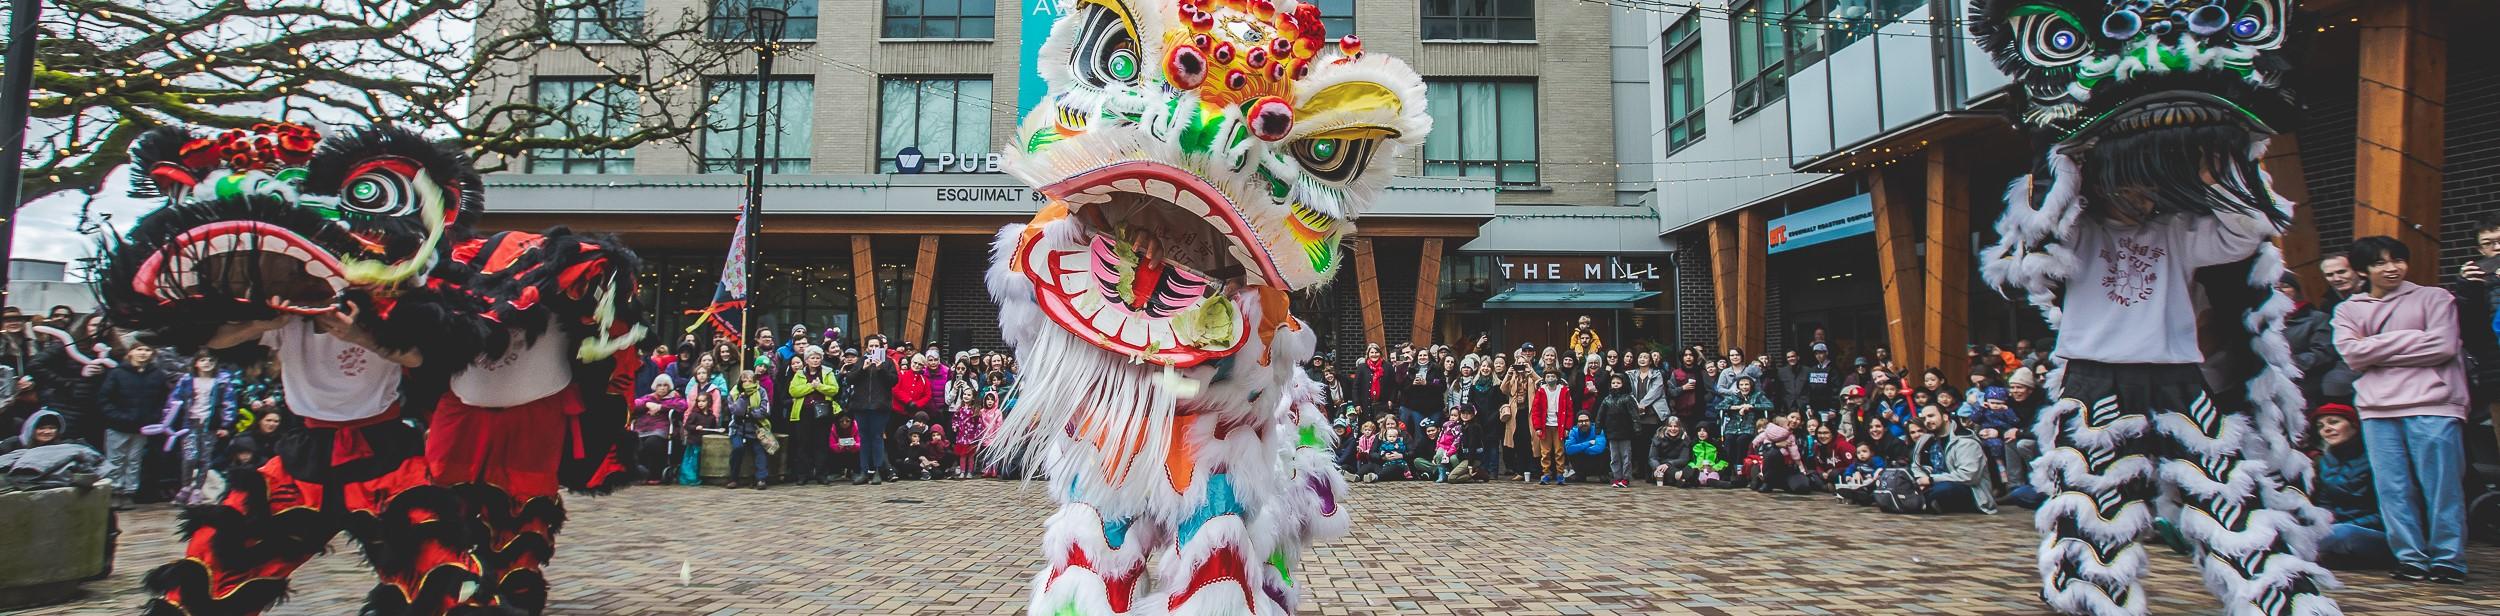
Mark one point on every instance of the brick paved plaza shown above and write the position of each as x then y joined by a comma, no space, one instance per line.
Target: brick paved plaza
963,547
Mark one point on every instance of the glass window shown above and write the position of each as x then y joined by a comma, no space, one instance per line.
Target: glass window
1479,20
584,109
728,140
936,114
941,19
1761,47
1336,15
729,19
1482,129
578,21
1685,122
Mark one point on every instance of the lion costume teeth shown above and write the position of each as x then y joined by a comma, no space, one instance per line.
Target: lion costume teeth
1202,160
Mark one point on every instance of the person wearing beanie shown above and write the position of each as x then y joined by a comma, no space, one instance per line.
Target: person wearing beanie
2344,487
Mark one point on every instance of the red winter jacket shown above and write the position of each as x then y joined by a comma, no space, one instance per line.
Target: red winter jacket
1550,400
911,392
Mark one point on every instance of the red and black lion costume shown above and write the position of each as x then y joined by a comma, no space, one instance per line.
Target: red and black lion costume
276,232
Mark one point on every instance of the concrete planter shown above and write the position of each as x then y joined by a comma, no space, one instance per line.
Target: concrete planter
55,539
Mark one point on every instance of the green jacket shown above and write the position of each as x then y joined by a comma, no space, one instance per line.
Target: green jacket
1706,456
826,384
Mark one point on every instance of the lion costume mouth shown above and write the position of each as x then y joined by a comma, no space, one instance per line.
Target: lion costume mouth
1158,268
2169,110
248,261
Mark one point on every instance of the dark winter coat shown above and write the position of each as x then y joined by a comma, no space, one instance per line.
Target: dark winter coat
134,397
1616,413
62,385
872,387
1673,451
2344,485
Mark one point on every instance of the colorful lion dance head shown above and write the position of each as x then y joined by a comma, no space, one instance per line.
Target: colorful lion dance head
1201,159
278,220
2163,102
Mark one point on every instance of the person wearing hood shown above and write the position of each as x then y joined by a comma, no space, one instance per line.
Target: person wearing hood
2345,488
42,428
1949,463
2403,340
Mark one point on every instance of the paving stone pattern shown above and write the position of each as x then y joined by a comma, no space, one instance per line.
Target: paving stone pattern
965,547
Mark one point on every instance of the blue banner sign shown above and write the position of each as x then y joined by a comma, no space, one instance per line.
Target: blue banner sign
1845,218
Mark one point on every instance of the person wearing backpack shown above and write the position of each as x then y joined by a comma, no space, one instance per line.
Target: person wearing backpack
1950,466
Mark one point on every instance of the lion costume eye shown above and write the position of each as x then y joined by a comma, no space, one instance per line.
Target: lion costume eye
1336,159
2260,25
2049,36
383,187
1106,54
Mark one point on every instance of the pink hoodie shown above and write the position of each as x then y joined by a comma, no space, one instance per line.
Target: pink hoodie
2406,348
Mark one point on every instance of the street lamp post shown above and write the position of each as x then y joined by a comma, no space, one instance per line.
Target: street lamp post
766,24
14,91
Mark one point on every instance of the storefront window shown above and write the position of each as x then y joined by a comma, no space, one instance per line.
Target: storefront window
815,291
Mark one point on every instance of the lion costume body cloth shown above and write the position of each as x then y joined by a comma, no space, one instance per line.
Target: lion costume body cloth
272,227
2142,231
1201,160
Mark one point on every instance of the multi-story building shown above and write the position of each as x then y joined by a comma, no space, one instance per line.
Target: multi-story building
1519,174
1830,167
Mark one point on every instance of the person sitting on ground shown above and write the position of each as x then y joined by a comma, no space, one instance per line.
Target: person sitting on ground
914,458
2345,488
1782,456
1709,471
1354,453
1446,458
43,428
1948,462
1855,482
1830,453
1585,447
1480,441
844,441
1995,419
1389,459
1672,450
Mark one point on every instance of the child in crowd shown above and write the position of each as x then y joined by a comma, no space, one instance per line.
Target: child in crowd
1388,457
1446,457
1355,453
913,457
941,449
971,425
746,419
1856,482
1708,470
1994,418
201,414
844,440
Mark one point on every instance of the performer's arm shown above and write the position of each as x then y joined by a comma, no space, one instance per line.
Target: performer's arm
341,324
2224,237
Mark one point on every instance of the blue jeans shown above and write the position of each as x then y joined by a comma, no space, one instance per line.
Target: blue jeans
2352,546
872,456
2421,497
742,449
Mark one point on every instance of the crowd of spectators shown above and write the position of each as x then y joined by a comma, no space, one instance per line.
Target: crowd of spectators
827,410
2388,368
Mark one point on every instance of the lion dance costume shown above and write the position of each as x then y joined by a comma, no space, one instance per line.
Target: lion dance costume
272,226
2150,117
1202,160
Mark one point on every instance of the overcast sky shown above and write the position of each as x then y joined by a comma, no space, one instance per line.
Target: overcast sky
48,229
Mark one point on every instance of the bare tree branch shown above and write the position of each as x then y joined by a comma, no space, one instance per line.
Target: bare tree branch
108,70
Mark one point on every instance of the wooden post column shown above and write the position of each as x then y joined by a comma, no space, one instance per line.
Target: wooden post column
2403,110
864,285
1739,260
1428,292
1367,288
1949,264
2300,242
1897,203
923,277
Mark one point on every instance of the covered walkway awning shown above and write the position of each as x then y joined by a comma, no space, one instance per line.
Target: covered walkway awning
1597,295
